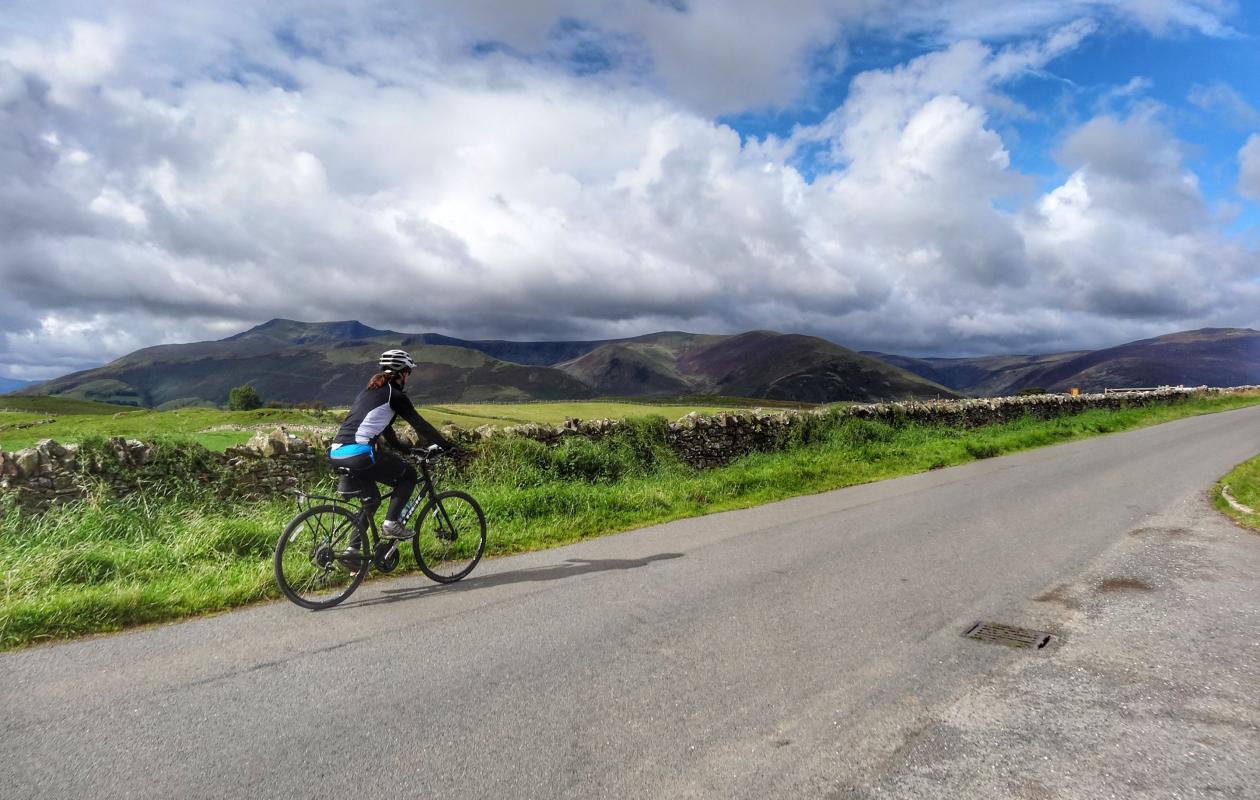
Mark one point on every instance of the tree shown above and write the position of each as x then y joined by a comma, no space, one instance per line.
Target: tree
244,398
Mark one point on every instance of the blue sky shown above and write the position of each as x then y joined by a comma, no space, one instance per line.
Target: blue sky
1171,71
930,177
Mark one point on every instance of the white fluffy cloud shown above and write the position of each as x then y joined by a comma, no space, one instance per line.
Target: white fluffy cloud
180,176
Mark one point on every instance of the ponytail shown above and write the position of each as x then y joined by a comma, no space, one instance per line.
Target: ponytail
379,380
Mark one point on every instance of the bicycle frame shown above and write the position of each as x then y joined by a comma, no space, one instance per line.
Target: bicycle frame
346,538
365,516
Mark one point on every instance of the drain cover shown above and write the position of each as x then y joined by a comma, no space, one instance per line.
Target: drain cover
1008,635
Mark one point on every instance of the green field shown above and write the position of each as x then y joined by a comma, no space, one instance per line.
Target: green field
518,413
68,420
107,564
75,420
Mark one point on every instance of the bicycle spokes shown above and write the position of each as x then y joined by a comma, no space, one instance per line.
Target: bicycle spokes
320,558
450,537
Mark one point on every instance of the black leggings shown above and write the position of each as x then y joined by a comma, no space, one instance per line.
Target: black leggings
390,470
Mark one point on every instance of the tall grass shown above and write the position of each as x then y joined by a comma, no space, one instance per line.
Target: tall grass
171,552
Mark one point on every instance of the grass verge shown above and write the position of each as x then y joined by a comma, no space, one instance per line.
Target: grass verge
107,564
1243,482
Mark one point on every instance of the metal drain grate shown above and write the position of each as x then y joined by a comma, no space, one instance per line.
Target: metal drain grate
1008,635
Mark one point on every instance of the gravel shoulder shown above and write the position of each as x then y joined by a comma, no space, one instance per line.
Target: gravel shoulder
1150,692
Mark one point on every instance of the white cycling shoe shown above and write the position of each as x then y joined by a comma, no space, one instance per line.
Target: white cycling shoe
392,529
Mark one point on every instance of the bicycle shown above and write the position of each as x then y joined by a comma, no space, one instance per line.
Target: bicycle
326,551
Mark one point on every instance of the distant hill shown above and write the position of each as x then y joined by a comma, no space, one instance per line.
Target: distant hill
329,362
983,376
55,406
754,364
538,354
13,384
290,361
1206,357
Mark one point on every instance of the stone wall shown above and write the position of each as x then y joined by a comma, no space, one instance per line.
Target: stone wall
710,441
268,465
275,462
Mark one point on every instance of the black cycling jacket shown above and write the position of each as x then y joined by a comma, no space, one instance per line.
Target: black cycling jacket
374,411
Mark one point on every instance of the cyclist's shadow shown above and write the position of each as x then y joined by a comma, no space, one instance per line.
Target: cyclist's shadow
550,572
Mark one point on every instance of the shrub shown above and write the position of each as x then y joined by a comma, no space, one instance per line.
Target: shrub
244,398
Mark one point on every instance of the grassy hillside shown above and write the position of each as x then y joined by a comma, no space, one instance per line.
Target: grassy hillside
54,406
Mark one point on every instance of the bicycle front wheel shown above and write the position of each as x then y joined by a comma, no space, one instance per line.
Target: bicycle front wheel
321,557
450,537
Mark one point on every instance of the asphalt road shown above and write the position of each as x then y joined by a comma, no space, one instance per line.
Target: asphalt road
809,648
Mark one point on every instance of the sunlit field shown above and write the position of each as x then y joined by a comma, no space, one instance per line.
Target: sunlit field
73,420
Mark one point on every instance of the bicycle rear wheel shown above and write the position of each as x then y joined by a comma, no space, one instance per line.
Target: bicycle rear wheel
450,537
321,557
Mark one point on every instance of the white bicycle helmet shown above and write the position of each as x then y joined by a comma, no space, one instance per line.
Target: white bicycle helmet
396,361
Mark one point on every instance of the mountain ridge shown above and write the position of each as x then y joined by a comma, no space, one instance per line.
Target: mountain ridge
293,361
1200,357
13,384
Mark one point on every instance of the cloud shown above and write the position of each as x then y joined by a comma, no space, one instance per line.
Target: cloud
982,19
1129,236
1249,168
81,56
1224,100
183,175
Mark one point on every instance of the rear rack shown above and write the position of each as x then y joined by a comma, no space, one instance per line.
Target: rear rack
304,500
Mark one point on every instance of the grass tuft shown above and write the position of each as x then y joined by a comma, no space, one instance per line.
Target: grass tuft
1244,486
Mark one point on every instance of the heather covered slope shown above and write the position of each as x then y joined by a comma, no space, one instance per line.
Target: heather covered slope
1205,357
983,376
303,362
755,364
329,362
628,370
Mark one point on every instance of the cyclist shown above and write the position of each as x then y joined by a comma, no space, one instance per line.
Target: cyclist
357,443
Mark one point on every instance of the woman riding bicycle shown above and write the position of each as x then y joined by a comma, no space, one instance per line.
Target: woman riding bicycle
371,416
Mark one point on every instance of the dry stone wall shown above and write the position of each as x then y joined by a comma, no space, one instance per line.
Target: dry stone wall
51,473
272,463
710,441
